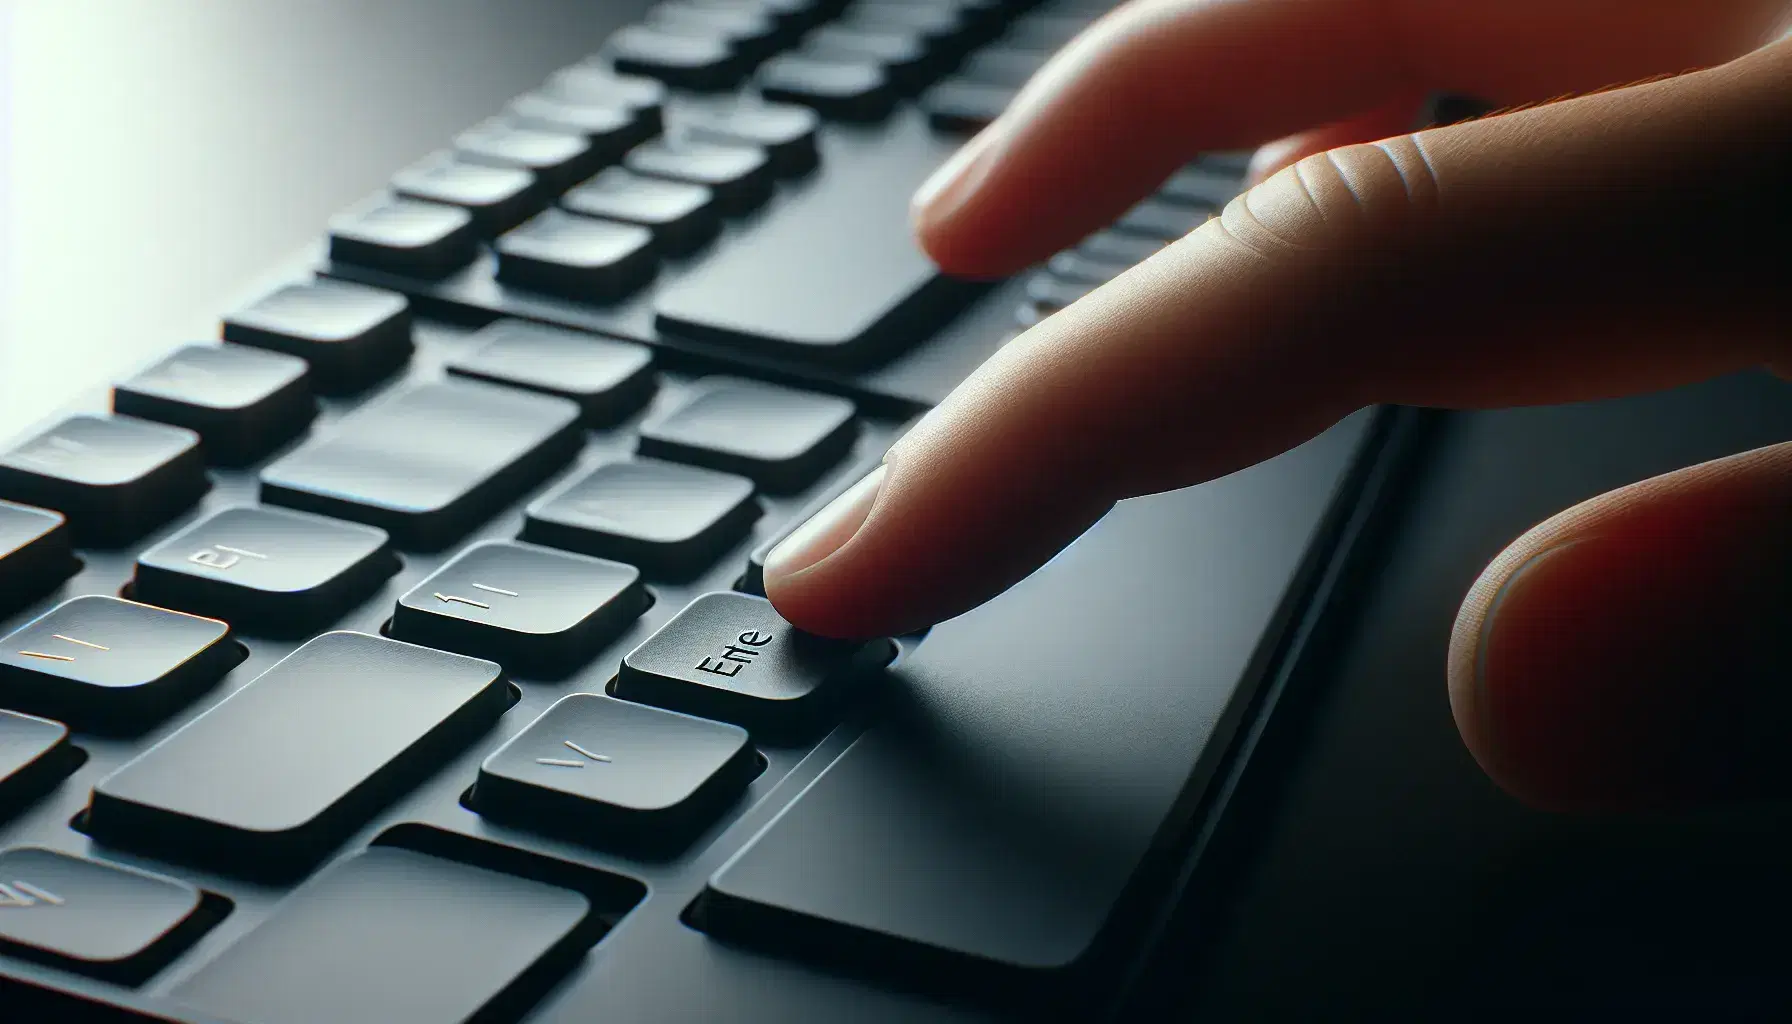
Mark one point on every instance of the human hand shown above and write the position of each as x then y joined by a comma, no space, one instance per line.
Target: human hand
1631,651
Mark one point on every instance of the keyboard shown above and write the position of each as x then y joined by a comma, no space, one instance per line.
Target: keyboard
401,653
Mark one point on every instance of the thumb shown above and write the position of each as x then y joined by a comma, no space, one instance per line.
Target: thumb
1586,248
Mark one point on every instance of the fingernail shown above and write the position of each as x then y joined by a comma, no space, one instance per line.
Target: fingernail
958,177
826,531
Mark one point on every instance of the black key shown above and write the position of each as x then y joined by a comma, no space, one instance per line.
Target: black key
682,216
1029,313
389,935
904,56
944,26
557,159
609,379
739,175
610,128
599,86
733,657
668,519
353,336
114,477
1072,265
1154,218
1041,30
35,554
405,236
786,133
109,664
1050,292
616,773
1003,65
35,754
846,88
428,463
581,257
751,33
700,63
276,775
797,14
499,198
115,923
266,569
781,438
753,580
961,105
242,402
1233,164
1197,186
1116,247
530,609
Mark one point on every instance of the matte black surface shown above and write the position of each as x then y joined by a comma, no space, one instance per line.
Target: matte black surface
86,915
581,257
351,335
114,477
499,198
29,749
682,215
242,402
738,174
784,440
34,553
1003,64
609,379
963,105
666,518
405,235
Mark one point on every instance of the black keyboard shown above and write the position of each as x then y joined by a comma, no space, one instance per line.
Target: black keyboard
401,655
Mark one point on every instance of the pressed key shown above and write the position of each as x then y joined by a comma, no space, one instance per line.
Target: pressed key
1050,292
579,257
389,935
428,463
1117,247
556,158
847,87
698,62
108,921
732,657
1072,265
35,553
528,608
781,438
599,86
610,128
268,570
498,198
739,175
1155,218
751,33
682,216
35,754
353,336
614,772
786,132
106,663
406,236
904,56
668,519
961,105
609,379
242,402
114,477
753,580
271,779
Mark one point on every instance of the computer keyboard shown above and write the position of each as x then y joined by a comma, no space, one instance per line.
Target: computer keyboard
402,655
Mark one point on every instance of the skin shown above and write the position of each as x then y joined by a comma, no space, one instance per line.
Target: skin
1627,653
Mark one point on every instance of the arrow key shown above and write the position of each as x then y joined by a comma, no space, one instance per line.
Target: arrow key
103,920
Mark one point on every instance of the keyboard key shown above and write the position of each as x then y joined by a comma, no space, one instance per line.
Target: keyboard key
700,63
599,86
389,935
115,923
670,520
1003,65
114,477
105,663
1155,218
1041,30
610,771
405,236
530,609
353,336
35,754
430,462
609,379
242,402
1200,187
35,554
781,438
266,569
750,33
740,176
1072,265
609,128
1116,247
944,26
904,57
844,88
1232,164
682,216
498,198
961,105
582,257
753,580
1050,292
271,779
557,159
786,133
732,657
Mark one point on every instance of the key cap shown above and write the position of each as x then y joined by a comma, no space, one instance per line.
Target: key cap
498,198
269,570
582,257
1050,292
943,26
749,32
104,920
732,657
35,754
275,776
610,129
390,935
1154,218
616,774
739,176
700,63
682,216
34,554
353,336
1003,65
609,379
1200,187
843,88
785,132
114,477
1115,247
597,85
430,462
670,520
753,580
557,159
104,663
242,402
961,105
530,609
781,438
405,236
904,57
1043,31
